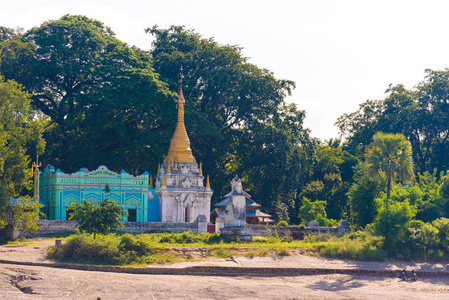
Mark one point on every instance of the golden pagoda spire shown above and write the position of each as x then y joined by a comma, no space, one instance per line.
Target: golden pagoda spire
180,144
201,168
158,169
151,181
207,183
168,166
164,181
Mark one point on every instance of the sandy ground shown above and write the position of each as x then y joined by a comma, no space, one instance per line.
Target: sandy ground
27,282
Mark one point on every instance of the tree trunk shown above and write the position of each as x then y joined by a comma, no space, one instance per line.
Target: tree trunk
388,189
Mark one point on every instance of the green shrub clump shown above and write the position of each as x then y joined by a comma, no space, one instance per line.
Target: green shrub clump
356,246
107,250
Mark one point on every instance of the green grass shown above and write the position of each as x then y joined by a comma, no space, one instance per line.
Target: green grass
364,247
150,248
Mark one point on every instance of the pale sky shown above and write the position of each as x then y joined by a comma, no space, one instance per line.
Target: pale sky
339,53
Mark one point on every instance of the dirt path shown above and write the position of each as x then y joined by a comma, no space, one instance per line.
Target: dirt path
49,283
26,282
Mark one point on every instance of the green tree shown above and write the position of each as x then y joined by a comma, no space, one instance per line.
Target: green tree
310,211
362,195
332,190
22,215
442,225
425,237
392,222
444,186
331,172
20,129
93,87
421,114
389,157
432,204
100,218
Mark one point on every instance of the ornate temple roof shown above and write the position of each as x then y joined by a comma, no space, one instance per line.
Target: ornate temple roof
227,198
249,203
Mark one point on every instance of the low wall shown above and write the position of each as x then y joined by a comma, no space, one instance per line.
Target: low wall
58,226
53,226
263,230
295,232
141,227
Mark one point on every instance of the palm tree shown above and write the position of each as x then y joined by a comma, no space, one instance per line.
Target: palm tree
389,158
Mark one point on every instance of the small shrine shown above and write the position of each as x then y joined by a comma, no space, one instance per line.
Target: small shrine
180,180
232,221
253,213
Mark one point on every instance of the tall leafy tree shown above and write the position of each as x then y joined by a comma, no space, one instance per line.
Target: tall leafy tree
22,215
20,128
362,195
105,102
389,157
421,114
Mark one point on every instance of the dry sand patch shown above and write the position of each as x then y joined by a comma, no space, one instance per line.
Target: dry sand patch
50,283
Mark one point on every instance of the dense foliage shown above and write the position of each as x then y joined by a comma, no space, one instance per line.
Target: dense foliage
420,114
20,130
105,103
22,215
98,218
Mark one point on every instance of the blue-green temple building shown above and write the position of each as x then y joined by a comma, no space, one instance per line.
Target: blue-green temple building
58,190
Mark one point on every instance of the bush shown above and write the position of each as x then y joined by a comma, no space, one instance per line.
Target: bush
302,227
189,237
287,239
129,243
284,251
282,223
108,250
363,248
357,246
392,222
82,248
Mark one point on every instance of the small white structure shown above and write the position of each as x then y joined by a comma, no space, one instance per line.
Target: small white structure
234,215
181,192
235,211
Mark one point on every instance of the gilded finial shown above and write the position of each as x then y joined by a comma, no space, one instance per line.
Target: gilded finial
164,181
207,183
158,169
168,166
201,168
151,181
